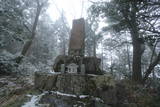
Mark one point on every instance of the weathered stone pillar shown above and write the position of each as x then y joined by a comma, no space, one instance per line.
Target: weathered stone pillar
83,69
62,68
76,45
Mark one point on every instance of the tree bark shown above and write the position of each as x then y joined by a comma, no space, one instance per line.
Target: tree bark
136,66
94,45
137,52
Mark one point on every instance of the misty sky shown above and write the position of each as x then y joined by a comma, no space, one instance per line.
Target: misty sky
73,9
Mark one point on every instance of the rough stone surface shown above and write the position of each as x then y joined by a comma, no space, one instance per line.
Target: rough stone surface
70,84
58,61
92,65
45,81
66,83
73,83
102,86
76,45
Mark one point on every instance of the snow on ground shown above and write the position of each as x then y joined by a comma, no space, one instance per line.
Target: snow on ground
69,95
63,94
98,99
34,100
83,96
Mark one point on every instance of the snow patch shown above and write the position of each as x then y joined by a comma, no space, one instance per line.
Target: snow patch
32,103
63,94
83,96
98,99
69,95
28,95
34,100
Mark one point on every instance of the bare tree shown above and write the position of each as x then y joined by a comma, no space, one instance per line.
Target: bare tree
33,31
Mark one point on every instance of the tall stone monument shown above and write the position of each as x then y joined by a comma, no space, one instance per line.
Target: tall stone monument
74,78
75,58
76,43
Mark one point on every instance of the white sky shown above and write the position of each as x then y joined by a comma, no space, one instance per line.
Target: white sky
73,9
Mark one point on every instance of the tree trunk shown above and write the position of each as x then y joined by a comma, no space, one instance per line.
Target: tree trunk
137,52
94,46
33,33
64,47
102,56
128,59
136,65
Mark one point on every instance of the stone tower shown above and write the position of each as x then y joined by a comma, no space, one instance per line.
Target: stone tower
76,44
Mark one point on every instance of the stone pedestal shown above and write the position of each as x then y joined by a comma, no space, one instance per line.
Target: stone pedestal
72,83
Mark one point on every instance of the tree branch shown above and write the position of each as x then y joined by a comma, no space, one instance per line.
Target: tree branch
151,67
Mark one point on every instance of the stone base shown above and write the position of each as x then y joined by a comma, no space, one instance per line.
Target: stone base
72,83
102,86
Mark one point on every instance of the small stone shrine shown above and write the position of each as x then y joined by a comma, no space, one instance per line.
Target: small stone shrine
75,59
72,68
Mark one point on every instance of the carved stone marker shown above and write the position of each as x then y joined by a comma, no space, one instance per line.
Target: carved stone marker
72,68
76,44
62,68
82,69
